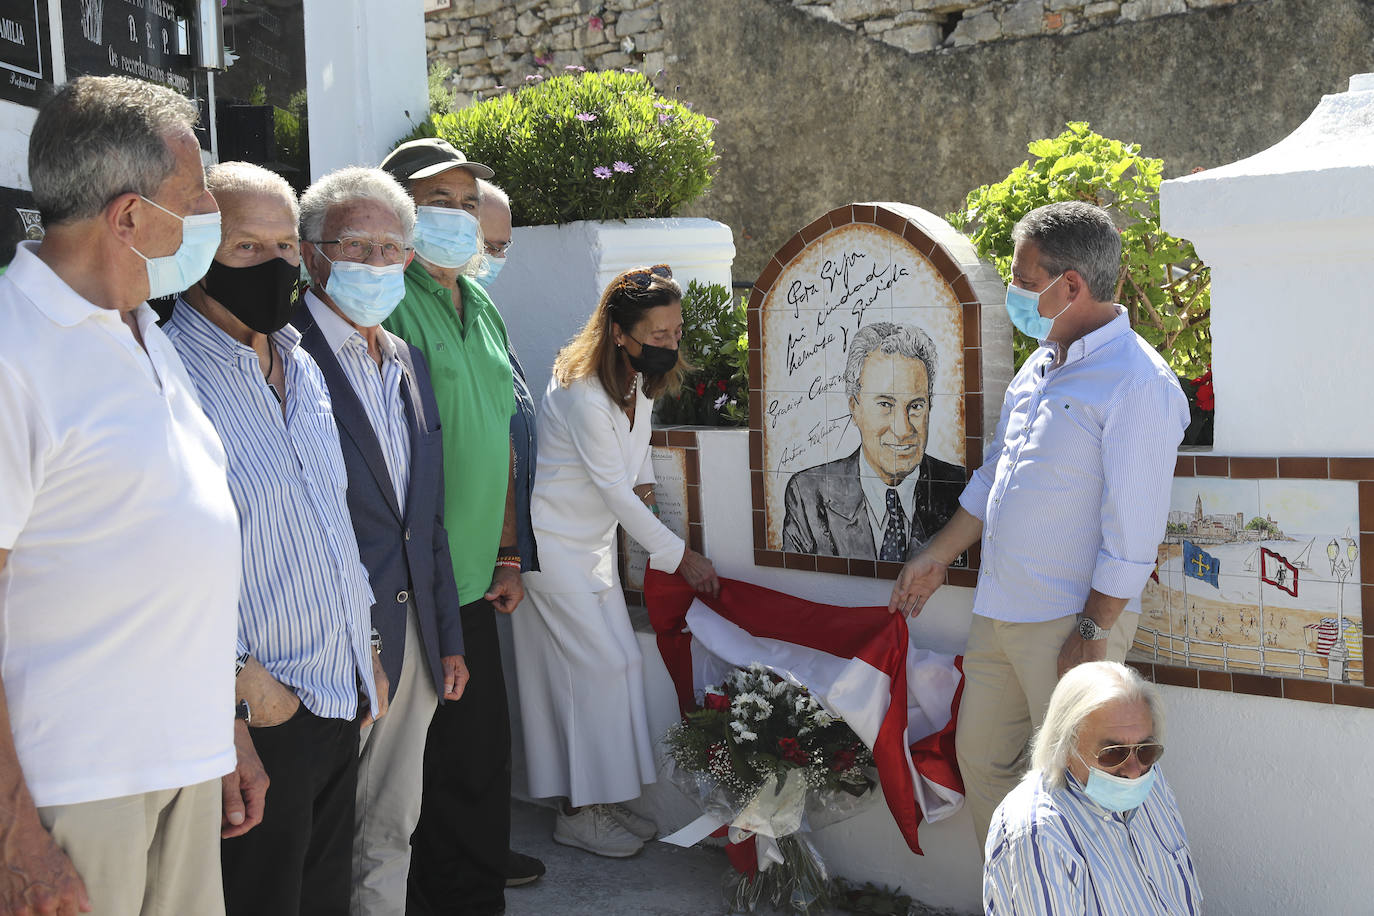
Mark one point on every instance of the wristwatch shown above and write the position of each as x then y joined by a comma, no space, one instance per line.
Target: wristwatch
241,711
1089,629
377,640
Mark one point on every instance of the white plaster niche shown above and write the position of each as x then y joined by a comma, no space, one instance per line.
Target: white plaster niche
555,275
1289,235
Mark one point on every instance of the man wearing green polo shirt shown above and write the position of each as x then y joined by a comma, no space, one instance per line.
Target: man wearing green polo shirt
460,846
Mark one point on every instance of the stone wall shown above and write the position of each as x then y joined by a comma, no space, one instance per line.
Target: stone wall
924,25
489,44
814,115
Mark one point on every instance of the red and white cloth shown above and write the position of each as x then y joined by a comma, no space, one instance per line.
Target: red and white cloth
901,701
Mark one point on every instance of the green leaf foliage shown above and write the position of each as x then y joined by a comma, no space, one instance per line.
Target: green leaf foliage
715,340
633,152
1165,288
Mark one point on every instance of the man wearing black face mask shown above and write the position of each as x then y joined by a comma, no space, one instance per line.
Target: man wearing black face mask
306,661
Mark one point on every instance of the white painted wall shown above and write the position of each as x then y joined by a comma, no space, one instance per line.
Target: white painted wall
554,275
366,82
1289,234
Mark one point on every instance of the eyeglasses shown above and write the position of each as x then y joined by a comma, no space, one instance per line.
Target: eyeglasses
498,249
642,278
356,249
1148,753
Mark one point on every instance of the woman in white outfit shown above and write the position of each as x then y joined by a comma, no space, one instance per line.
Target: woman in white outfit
578,665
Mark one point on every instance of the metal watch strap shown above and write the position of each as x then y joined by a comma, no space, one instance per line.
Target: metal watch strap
1090,630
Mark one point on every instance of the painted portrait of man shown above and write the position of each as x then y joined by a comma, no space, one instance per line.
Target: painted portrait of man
887,498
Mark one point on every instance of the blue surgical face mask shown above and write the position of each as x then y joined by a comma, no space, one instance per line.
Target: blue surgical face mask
1118,793
486,275
444,236
1024,308
366,295
172,273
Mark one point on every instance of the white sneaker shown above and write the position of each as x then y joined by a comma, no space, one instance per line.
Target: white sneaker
595,830
641,827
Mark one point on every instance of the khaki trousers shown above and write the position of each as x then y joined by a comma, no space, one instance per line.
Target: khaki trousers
390,776
154,854
1010,670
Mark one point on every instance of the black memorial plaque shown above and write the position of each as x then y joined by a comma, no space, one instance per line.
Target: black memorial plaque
25,51
137,38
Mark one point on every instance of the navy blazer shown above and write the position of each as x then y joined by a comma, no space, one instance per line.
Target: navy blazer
406,552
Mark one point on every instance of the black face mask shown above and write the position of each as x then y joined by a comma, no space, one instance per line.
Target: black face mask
652,360
260,296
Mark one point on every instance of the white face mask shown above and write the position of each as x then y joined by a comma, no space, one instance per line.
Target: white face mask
180,270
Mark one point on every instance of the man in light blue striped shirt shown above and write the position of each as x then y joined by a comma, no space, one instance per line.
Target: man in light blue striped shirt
1070,502
1093,829
307,667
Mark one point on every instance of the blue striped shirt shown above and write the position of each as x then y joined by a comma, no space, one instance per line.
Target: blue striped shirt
1056,851
1074,490
379,389
305,604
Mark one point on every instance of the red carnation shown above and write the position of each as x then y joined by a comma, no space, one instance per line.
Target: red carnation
717,701
701,388
721,384
844,759
1206,397
791,750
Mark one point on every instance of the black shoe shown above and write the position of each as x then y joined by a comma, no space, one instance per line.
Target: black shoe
522,869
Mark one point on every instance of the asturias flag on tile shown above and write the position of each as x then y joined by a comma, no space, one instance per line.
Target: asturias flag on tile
1200,564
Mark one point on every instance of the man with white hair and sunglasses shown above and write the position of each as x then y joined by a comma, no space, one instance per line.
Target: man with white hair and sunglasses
1093,828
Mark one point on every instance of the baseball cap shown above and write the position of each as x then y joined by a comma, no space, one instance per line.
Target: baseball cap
422,158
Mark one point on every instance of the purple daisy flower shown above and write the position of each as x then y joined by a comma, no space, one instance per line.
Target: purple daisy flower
601,172
714,120
664,118
621,166
574,68
586,116
534,78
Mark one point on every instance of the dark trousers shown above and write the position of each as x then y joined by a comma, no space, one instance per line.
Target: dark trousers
458,850
298,861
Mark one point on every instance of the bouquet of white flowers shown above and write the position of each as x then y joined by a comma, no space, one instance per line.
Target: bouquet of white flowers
764,757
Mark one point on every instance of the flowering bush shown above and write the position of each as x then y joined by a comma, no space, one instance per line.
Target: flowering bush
715,339
583,145
755,725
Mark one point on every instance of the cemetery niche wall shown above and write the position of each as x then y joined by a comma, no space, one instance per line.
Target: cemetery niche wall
867,378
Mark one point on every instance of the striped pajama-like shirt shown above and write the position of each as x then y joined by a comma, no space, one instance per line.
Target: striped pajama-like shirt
305,605
1056,851
1074,489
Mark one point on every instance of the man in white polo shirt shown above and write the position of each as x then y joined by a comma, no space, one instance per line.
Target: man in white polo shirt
119,543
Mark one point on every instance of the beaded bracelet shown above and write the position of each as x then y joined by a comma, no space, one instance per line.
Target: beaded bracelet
511,563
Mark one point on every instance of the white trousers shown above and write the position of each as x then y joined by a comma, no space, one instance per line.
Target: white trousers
390,765
581,684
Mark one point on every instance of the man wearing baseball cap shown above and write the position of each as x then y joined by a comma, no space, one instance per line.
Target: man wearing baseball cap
460,849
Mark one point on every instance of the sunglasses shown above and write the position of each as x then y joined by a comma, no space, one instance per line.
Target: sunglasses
1148,753
642,278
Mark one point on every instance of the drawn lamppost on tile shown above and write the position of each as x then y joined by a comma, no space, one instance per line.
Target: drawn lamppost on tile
1342,552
